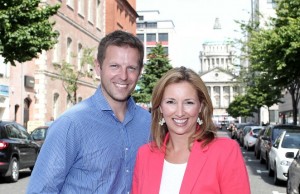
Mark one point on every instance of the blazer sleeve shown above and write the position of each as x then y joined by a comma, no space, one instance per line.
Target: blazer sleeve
234,175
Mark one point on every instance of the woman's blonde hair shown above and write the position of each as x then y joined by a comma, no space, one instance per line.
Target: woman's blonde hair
176,75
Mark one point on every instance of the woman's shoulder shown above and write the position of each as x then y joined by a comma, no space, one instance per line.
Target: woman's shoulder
148,148
224,142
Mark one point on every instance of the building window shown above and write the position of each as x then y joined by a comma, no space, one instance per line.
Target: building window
140,25
166,50
141,37
79,99
151,37
79,56
216,90
226,96
273,116
98,14
81,7
148,50
56,50
70,3
151,25
55,105
141,18
163,37
90,11
209,90
69,50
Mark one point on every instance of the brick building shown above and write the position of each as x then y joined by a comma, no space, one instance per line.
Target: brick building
121,15
35,91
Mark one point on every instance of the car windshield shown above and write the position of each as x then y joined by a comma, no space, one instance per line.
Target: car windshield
291,140
256,130
39,134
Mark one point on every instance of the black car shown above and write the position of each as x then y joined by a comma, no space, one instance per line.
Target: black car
39,134
293,182
17,150
268,138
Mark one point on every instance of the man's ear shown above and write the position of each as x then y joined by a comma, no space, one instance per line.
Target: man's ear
97,67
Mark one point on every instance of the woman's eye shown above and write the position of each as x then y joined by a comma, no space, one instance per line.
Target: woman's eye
189,102
170,102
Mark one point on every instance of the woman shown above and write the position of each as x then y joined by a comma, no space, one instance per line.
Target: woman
185,155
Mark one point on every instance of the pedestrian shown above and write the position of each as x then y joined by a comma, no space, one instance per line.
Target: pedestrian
92,147
186,156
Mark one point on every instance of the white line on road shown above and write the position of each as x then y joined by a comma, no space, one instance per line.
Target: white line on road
276,192
261,171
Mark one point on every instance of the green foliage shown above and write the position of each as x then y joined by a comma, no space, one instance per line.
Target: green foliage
241,107
70,74
274,55
158,64
25,29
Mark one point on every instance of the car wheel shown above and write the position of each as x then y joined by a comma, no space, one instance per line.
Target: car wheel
257,155
276,180
14,170
262,161
271,172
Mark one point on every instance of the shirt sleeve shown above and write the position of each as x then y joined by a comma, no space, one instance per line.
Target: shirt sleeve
135,181
55,158
234,175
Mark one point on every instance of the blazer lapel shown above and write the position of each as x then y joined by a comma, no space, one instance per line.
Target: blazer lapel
195,164
155,168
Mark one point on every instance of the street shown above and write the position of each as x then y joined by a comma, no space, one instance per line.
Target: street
260,182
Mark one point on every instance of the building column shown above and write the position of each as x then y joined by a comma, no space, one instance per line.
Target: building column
221,96
230,94
212,95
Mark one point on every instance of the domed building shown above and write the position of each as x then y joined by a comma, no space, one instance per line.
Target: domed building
218,71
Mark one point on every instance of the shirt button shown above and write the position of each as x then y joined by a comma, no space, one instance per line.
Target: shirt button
126,149
127,170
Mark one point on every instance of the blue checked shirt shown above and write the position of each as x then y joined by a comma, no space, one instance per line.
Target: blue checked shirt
88,150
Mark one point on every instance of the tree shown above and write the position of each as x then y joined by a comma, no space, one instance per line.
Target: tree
158,64
241,107
274,51
25,29
70,75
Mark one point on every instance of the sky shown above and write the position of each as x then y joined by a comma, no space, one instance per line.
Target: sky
194,20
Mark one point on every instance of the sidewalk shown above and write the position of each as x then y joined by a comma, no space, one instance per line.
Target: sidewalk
223,133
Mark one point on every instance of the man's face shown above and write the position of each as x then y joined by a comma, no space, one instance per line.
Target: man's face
119,73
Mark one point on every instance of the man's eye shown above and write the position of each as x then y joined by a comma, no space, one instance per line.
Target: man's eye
113,66
132,68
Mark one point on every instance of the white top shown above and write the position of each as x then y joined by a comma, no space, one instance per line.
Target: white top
172,176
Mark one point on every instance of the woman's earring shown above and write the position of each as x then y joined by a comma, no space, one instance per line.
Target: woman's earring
199,121
161,122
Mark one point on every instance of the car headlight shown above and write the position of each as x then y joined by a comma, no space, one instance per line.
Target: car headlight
285,163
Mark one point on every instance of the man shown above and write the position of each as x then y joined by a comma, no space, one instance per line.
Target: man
92,147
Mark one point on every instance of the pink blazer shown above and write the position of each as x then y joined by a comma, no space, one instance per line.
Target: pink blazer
217,168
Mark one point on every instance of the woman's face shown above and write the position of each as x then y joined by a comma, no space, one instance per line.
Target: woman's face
180,107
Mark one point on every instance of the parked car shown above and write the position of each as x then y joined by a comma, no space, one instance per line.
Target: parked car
258,142
282,153
243,133
17,150
251,136
268,138
293,178
39,134
238,130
